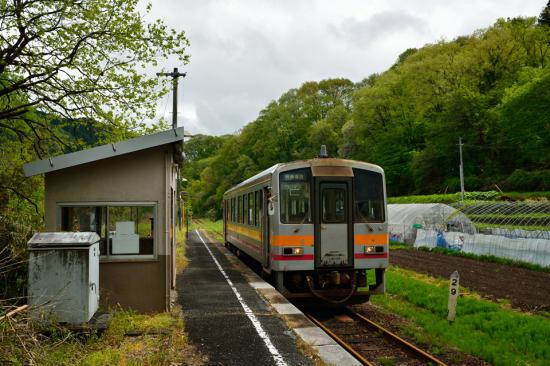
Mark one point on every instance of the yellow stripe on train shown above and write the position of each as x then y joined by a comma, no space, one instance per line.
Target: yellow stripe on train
251,233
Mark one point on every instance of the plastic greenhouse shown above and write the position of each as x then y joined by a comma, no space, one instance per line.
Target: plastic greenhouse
405,219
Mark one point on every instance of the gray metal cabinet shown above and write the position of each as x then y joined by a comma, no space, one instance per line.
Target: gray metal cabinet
64,276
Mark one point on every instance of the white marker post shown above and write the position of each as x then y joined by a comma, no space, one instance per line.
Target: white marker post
453,296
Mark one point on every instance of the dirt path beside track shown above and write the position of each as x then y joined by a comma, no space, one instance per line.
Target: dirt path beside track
526,289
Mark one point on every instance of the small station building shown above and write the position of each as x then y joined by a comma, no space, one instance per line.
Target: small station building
126,192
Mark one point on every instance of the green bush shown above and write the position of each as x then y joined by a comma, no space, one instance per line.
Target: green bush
472,182
522,180
452,184
481,196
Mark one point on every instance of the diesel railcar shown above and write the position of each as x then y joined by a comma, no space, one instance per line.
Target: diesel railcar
318,227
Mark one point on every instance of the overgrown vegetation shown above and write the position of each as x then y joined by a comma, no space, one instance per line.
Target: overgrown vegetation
492,88
482,328
130,339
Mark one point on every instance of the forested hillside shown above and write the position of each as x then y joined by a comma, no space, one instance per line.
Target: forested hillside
492,88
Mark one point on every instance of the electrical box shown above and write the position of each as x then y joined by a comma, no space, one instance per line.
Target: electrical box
63,276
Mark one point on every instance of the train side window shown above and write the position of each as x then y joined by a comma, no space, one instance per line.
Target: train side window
368,190
257,203
243,210
239,205
246,205
295,197
234,199
251,208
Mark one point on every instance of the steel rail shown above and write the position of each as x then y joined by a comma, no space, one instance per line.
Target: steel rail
338,340
400,340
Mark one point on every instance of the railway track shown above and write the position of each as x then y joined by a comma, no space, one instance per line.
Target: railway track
200,222
368,341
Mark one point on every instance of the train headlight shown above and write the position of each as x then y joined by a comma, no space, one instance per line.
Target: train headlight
370,249
293,251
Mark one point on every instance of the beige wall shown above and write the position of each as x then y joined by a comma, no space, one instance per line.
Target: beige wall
143,176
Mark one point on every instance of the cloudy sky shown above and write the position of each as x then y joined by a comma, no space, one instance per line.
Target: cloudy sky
246,53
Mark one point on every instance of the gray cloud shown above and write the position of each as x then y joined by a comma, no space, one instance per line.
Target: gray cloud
380,26
246,53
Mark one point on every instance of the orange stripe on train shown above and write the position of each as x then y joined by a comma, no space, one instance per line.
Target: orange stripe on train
292,240
308,240
368,239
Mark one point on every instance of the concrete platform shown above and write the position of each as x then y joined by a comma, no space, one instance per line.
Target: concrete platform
236,318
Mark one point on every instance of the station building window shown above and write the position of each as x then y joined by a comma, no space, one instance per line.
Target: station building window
125,230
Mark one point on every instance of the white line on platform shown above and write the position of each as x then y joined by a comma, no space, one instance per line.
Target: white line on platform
257,325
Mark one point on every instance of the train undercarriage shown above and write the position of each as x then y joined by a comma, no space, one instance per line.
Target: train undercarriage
334,286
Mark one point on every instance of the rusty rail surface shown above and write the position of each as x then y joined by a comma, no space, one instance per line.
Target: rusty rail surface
363,357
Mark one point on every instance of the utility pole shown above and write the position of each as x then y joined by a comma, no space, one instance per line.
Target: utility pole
460,144
174,75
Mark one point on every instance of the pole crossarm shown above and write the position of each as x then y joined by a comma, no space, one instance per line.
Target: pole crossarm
174,75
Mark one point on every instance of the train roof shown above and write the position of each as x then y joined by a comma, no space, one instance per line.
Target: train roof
269,171
312,162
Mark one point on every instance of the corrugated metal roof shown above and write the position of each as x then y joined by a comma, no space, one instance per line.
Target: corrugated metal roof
103,152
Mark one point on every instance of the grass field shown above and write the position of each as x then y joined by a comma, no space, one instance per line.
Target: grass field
482,328
157,339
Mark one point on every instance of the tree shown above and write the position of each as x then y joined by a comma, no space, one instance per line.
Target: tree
544,17
80,59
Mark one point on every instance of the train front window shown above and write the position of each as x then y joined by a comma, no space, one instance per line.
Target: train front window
333,202
295,197
369,196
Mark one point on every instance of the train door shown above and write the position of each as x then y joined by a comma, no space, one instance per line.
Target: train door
264,214
333,222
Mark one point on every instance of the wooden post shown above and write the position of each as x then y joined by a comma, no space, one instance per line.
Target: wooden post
453,296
